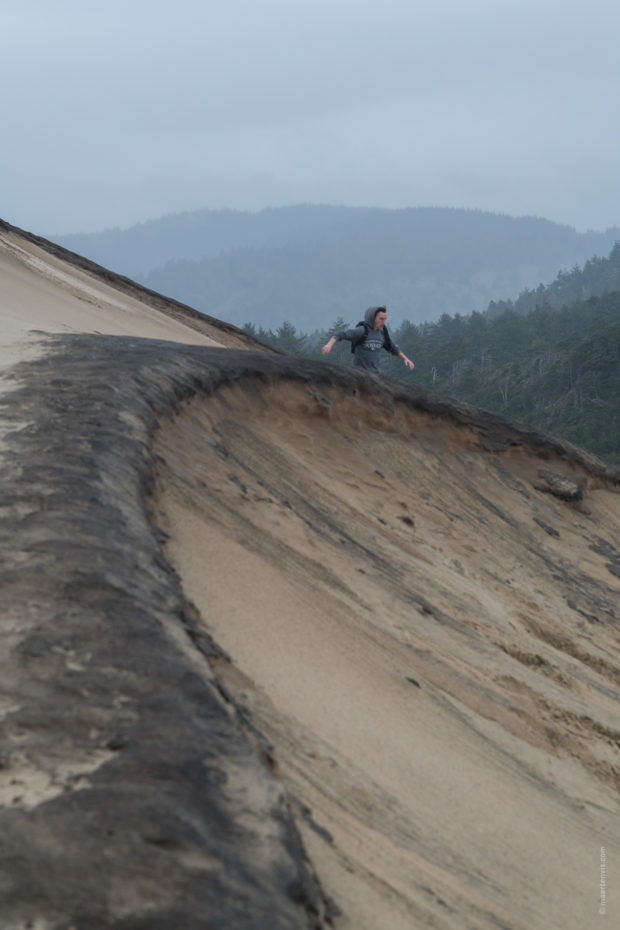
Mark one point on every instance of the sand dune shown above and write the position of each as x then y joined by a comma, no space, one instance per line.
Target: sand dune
288,647
49,289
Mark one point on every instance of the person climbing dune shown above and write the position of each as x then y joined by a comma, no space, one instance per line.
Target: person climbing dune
367,339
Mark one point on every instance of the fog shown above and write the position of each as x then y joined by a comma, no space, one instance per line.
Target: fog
113,113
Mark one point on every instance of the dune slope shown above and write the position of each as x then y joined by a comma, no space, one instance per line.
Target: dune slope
425,634
45,288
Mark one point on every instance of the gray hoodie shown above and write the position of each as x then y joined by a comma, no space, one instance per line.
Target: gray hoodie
367,348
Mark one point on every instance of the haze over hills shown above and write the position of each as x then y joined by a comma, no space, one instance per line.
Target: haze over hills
313,264
284,646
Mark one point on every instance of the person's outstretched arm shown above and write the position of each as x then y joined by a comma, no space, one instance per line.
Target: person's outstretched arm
407,361
351,335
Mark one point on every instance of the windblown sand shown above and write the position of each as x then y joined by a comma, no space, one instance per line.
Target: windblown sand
424,644
41,292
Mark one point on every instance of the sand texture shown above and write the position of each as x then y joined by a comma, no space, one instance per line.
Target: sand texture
287,646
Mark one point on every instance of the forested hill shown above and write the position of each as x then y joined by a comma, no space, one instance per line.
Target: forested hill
311,264
598,276
554,365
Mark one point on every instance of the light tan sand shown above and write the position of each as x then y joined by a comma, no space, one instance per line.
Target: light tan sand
42,292
397,632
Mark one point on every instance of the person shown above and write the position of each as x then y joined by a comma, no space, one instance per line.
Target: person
367,338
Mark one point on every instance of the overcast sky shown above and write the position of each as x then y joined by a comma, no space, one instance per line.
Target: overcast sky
120,111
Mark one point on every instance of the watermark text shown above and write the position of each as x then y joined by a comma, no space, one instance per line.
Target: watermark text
602,901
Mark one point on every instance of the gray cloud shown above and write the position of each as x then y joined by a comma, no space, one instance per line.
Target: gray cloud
115,112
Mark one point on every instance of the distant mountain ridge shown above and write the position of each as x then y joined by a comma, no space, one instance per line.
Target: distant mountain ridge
199,234
312,264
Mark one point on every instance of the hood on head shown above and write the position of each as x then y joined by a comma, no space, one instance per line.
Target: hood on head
369,316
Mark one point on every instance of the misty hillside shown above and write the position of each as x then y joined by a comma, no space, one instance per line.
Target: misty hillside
205,234
313,264
552,359
597,277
